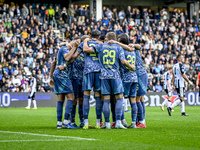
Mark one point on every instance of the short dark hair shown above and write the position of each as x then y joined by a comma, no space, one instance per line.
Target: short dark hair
111,36
179,55
124,39
77,38
95,34
102,37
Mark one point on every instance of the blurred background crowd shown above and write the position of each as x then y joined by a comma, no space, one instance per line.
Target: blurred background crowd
29,40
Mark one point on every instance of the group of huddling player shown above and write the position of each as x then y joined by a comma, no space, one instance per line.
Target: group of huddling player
107,65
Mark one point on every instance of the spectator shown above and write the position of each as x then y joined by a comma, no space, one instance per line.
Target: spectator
158,87
29,59
71,13
25,11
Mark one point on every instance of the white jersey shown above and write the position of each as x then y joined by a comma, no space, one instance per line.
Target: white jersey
178,71
33,84
167,77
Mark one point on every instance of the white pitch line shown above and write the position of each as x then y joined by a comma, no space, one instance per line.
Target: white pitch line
54,140
47,135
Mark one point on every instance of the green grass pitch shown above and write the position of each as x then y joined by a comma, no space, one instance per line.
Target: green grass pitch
36,129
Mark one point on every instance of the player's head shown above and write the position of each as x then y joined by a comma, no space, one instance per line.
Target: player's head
124,38
170,69
110,36
84,37
95,34
102,38
180,58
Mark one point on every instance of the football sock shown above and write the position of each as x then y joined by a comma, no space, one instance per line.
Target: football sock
34,104
59,122
106,110
86,106
80,111
125,103
140,111
29,102
169,103
144,109
113,110
133,112
98,122
86,123
123,117
98,107
182,105
73,113
177,102
164,102
68,108
119,108
59,110
107,124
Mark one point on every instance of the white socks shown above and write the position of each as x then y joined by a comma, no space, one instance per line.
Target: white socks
164,102
125,104
98,122
107,124
86,122
118,121
169,103
59,123
29,102
66,121
182,105
177,102
34,104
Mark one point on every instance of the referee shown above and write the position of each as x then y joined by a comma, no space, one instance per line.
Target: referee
33,85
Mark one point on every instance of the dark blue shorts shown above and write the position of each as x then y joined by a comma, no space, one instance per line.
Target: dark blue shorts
130,89
91,80
111,86
62,83
142,85
77,86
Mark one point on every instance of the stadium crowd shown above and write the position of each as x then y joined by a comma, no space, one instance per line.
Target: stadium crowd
28,43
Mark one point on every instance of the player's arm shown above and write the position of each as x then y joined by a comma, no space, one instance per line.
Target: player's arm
136,46
173,79
128,65
168,83
124,46
77,53
53,66
69,55
197,82
184,76
86,48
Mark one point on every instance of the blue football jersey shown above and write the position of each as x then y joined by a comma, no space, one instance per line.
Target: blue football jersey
61,60
91,60
78,67
110,56
140,70
126,74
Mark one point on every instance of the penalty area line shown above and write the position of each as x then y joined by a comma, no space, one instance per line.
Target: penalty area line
48,135
53,140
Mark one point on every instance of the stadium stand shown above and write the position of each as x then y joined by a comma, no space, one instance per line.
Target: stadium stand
29,39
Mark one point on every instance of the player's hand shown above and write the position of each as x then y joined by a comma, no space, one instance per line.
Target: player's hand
61,67
173,88
87,39
191,83
170,90
112,41
132,67
98,42
51,83
197,87
76,43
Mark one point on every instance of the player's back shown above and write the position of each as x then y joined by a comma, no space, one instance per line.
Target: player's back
140,70
166,77
109,57
126,74
91,60
60,56
178,70
78,67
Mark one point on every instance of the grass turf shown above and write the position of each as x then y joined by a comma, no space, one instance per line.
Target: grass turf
162,132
